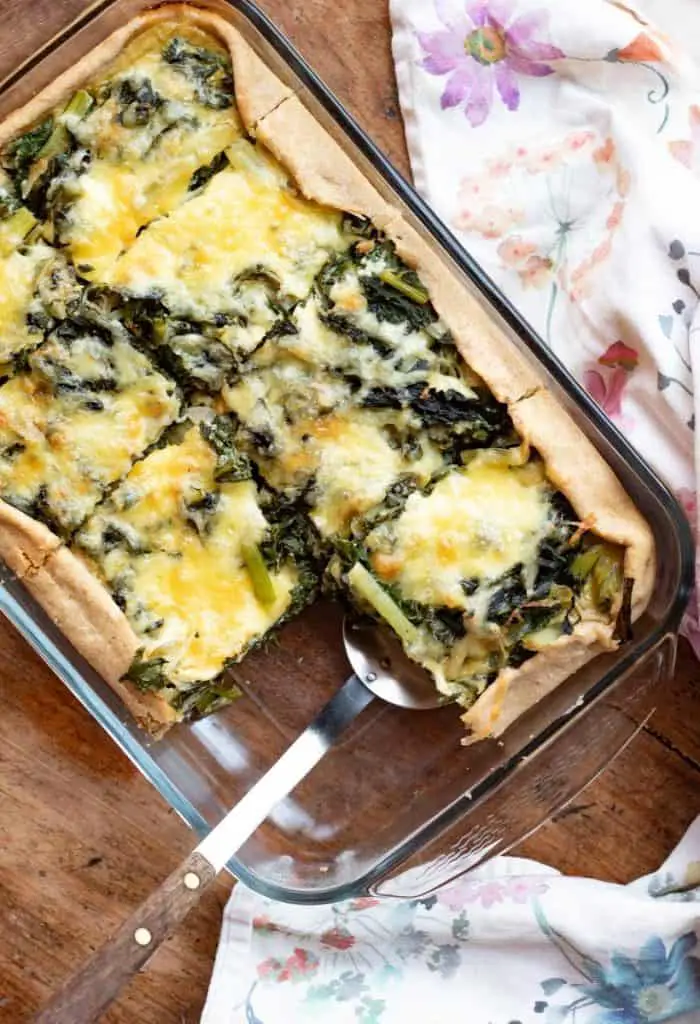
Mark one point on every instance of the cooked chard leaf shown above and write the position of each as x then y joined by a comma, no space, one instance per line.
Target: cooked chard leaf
259,272
343,325
393,504
208,71
201,700
263,585
203,175
597,569
394,307
372,593
407,283
115,536
332,272
198,511
362,227
49,192
290,534
137,101
446,625
38,507
20,154
394,292
231,464
509,596
623,625
148,674
196,360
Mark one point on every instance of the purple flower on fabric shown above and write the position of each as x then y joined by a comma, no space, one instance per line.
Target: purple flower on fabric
487,45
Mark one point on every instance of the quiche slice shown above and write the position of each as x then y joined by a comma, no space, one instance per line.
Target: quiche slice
197,557
482,570
361,391
74,420
177,232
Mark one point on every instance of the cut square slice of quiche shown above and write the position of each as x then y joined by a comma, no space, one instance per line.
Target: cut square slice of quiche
74,420
480,570
202,561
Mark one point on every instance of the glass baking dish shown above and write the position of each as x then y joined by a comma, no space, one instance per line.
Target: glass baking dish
399,807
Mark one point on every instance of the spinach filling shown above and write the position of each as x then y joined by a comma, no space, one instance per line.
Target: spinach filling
208,71
520,612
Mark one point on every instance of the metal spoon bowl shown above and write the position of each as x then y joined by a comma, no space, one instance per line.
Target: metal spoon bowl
379,661
381,669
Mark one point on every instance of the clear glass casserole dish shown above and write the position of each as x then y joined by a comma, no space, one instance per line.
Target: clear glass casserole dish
398,807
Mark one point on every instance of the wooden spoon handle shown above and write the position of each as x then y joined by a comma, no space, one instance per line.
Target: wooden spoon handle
87,994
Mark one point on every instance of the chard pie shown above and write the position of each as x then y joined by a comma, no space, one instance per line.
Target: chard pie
233,376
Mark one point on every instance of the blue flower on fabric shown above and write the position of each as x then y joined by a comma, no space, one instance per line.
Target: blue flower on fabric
652,987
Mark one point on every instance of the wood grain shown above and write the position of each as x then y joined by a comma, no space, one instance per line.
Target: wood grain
85,995
83,838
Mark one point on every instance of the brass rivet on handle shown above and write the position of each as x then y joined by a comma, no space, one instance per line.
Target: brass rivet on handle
192,881
142,936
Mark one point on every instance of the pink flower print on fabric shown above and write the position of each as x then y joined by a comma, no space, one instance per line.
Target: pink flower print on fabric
338,938
486,45
552,211
608,390
488,894
301,964
687,151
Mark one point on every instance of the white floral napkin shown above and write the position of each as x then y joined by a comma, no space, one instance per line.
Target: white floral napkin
560,141
513,943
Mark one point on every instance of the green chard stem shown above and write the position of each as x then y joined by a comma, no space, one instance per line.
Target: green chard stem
366,586
412,292
263,587
79,104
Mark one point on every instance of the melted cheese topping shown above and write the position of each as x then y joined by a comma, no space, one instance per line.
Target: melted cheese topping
188,594
18,274
356,466
114,200
329,413
238,221
56,449
141,172
476,523
348,454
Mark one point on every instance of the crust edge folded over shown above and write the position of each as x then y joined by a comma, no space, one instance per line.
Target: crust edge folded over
25,544
86,614
320,167
578,471
515,691
258,90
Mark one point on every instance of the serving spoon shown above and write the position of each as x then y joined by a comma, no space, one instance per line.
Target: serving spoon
381,669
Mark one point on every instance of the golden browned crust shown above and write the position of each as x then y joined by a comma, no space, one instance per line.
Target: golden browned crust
517,690
86,614
25,544
320,167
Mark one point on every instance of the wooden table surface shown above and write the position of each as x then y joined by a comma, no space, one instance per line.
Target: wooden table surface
83,837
